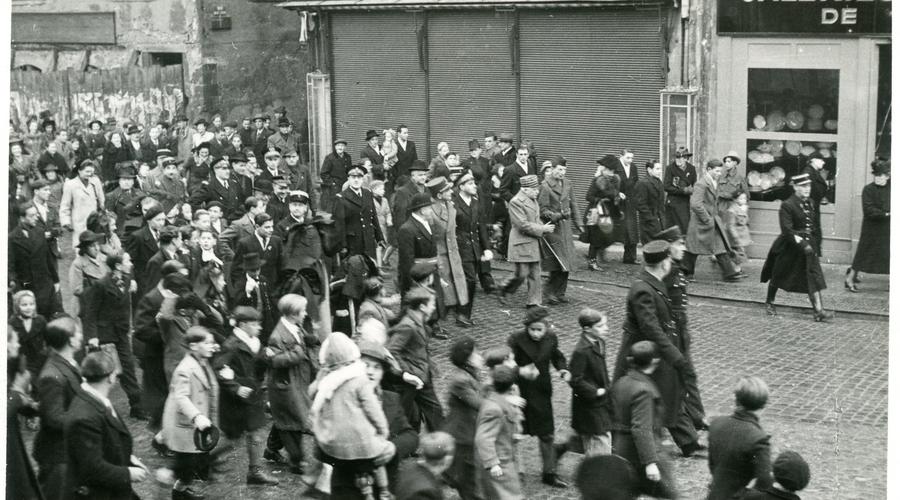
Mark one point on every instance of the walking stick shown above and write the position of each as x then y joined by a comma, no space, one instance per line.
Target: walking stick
564,267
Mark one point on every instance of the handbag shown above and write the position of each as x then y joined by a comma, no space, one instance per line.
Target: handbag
604,221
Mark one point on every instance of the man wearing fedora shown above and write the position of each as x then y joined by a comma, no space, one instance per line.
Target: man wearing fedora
101,464
678,182
335,170
415,239
526,231
134,147
121,199
418,176
259,138
373,153
286,138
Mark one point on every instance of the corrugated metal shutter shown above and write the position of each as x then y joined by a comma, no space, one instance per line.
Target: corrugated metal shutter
377,79
471,85
590,86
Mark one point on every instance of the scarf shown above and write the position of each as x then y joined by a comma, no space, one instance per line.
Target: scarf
331,382
252,342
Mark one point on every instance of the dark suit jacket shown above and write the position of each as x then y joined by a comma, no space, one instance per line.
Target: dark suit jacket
107,314
405,158
413,242
150,148
400,203
31,264
506,159
55,389
650,203
591,414
374,156
259,141
100,449
357,222
141,246
637,409
738,453
146,330
270,257
21,480
627,183
471,229
153,271
213,190
509,183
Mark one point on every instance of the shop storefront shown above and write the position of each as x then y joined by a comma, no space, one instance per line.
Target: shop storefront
794,78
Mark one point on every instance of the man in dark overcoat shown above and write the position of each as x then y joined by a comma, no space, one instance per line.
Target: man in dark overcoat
414,240
591,409
472,241
355,218
264,244
32,265
678,182
259,137
121,199
418,176
650,201
649,317
334,172
220,187
143,244
101,464
373,153
628,176
406,155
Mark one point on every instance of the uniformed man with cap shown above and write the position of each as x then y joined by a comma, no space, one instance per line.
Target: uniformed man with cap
418,176
792,263
298,174
121,199
335,170
278,200
356,221
167,185
649,316
472,240
220,187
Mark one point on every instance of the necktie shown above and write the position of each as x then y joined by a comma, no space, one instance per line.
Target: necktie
225,183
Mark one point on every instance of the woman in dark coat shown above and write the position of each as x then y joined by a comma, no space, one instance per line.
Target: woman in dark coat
535,348
792,264
603,190
114,152
679,184
873,252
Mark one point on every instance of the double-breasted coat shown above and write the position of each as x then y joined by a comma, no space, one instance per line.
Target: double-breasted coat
290,371
495,445
241,414
471,234
100,448
450,265
738,453
679,183
873,253
32,266
793,266
230,197
649,317
706,231
591,414
558,207
650,203
79,200
538,393
193,391
525,231
817,192
356,222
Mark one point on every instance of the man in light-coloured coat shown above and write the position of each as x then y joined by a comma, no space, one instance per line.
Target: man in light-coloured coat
559,208
450,266
525,236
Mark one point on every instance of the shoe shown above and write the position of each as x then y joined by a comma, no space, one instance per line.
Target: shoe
856,279
741,274
851,286
554,481
630,262
161,449
187,494
439,333
702,424
734,278
562,299
464,322
274,456
823,316
593,265
552,301
690,450
138,413
770,309
257,476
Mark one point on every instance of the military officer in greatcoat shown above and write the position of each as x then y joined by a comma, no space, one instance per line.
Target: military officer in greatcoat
676,283
355,218
650,317
472,239
123,198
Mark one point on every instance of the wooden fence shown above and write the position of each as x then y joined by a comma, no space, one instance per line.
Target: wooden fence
142,95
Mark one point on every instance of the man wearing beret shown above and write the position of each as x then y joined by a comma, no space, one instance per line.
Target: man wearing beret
101,463
650,317
335,169
526,231
121,199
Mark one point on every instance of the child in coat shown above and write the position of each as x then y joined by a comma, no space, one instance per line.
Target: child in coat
29,326
347,418
385,219
495,443
791,474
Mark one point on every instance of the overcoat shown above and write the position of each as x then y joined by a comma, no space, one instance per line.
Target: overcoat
32,343
678,184
270,256
471,229
141,246
100,448
706,231
414,241
738,452
538,393
525,231
120,203
405,158
650,203
31,264
817,193
21,480
55,389
290,371
409,346
450,266
637,430
78,201
495,445
649,317
48,223
873,253
357,222
630,232
605,189
402,198
230,197
241,414
558,207
193,391
464,397
591,414
302,246
792,266
334,170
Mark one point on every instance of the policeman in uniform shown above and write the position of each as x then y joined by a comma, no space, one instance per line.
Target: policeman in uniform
472,241
122,199
649,316
355,218
676,284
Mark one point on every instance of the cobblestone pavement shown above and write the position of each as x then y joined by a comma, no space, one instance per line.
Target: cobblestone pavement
828,393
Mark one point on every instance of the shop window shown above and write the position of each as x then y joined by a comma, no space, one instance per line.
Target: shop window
772,163
793,100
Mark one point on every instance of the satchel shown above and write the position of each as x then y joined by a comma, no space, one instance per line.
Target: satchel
604,221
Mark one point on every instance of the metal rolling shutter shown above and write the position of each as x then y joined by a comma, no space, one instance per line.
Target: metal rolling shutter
377,79
471,85
590,86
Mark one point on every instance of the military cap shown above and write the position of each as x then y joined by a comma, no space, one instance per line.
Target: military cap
438,185
671,234
656,251
298,197
799,180
529,181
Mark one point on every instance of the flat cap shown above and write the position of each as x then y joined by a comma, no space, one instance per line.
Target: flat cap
715,162
589,317
422,268
507,137
153,211
245,313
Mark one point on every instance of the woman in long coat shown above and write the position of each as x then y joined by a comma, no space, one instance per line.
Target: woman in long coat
558,208
450,266
873,253
706,231
81,196
604,191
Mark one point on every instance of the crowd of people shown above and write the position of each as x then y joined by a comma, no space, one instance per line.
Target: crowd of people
229,283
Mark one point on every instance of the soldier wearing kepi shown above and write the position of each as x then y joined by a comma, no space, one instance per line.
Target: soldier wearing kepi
650,317
676,284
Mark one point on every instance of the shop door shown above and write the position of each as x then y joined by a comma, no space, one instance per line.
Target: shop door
590,83
471,85
378,81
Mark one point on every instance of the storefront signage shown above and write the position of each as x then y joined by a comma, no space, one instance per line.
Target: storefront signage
848,17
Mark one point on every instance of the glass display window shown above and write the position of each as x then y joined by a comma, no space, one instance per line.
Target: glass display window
772,162
793,100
